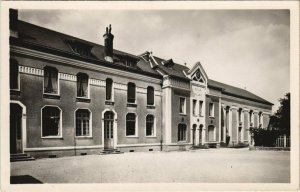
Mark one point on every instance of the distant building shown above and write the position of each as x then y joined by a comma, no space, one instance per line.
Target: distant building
70,97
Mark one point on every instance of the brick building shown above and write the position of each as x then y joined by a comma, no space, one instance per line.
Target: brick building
69,96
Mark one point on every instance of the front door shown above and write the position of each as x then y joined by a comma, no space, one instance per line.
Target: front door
15,128
108,130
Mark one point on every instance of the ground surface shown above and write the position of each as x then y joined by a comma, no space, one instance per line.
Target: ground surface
212,165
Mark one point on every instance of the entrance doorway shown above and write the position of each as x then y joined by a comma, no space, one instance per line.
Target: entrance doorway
108,130
194,134
16,128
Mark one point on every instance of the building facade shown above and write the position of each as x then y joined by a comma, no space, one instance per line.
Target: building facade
69,96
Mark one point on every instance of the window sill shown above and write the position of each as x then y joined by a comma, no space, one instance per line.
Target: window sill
131,105
16,92
52,137
184,114
211,117
51,96
182,142
150,106
83,137
133,136
151,136
82,99
108,102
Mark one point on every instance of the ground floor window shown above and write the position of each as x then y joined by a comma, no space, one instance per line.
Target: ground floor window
182,132
51,121
82,122
130,124
150,125
211,133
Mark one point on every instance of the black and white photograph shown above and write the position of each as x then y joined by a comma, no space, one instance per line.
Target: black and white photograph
170,94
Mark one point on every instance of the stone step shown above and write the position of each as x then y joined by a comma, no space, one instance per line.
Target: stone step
21,157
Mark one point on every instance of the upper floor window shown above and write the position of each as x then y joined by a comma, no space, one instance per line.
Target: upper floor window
150,95
240,115
150,125
82,122
130,124
182,105
200,107
14,74
194,106
181,132
109,84
50,80
82,85
51,118
131,93
211,110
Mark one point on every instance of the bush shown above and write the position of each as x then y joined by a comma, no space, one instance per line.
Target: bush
263,137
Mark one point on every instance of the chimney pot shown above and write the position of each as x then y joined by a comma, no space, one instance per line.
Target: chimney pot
108,45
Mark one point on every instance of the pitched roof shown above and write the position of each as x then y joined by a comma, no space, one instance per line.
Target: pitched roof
237,92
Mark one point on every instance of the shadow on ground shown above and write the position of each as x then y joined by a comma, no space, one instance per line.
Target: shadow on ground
23,179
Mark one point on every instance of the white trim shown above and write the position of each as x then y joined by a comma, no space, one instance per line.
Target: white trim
24,118
97,82
68,77
167,116
154,126
60,124
136,126
62,148
115,135
90,124
139,145
77,63
31,70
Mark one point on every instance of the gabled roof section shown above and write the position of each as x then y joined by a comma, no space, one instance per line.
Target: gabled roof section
236,92
197,73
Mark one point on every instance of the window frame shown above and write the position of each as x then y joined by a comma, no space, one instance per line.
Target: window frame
134,93
154,126
184,106
214,133
211,112
153,96
185,133
112,90
58,81
200,107
90,124
194,107
60,136
18,75
136,124
88,86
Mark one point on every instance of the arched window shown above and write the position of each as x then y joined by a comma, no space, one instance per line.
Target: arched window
50,80
51,121
131,92
130,124
149,125
109,84
82,85
182,132
82,122
14,74
150,95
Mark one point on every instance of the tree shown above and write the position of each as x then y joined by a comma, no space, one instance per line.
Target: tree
281,119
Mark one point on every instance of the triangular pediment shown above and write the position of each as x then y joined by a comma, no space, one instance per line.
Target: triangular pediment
197,74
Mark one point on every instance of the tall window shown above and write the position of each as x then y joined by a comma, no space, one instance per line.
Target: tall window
182,105
211,133
108,125
109,83
194,106
150,125
50,80
200,107
50,121
251,116
130,124
14,74
82,85
181,132
131,93
82,122
150,95
240,115
211,110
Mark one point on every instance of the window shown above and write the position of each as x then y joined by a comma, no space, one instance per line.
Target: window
130,124
150,95
181,132
211,110
200,107
211,133
109,125
82,122
82,85
194,106
131,93
109,84
50,80
150,125
240,115
51,121
182,105
14,74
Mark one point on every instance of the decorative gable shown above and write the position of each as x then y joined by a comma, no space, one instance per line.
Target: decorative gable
197,76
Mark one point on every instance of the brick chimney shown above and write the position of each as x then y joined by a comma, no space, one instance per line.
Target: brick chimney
108,45
13,22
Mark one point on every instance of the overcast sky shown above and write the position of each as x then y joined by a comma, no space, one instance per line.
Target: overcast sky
243,48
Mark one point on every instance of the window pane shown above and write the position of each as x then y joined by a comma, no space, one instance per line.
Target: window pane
108,89
50,80
131,93
194,107
51,119
182,105
82,122
150,96
82,85
200,107
130,124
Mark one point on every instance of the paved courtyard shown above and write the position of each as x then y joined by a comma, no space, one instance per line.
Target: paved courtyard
201,166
